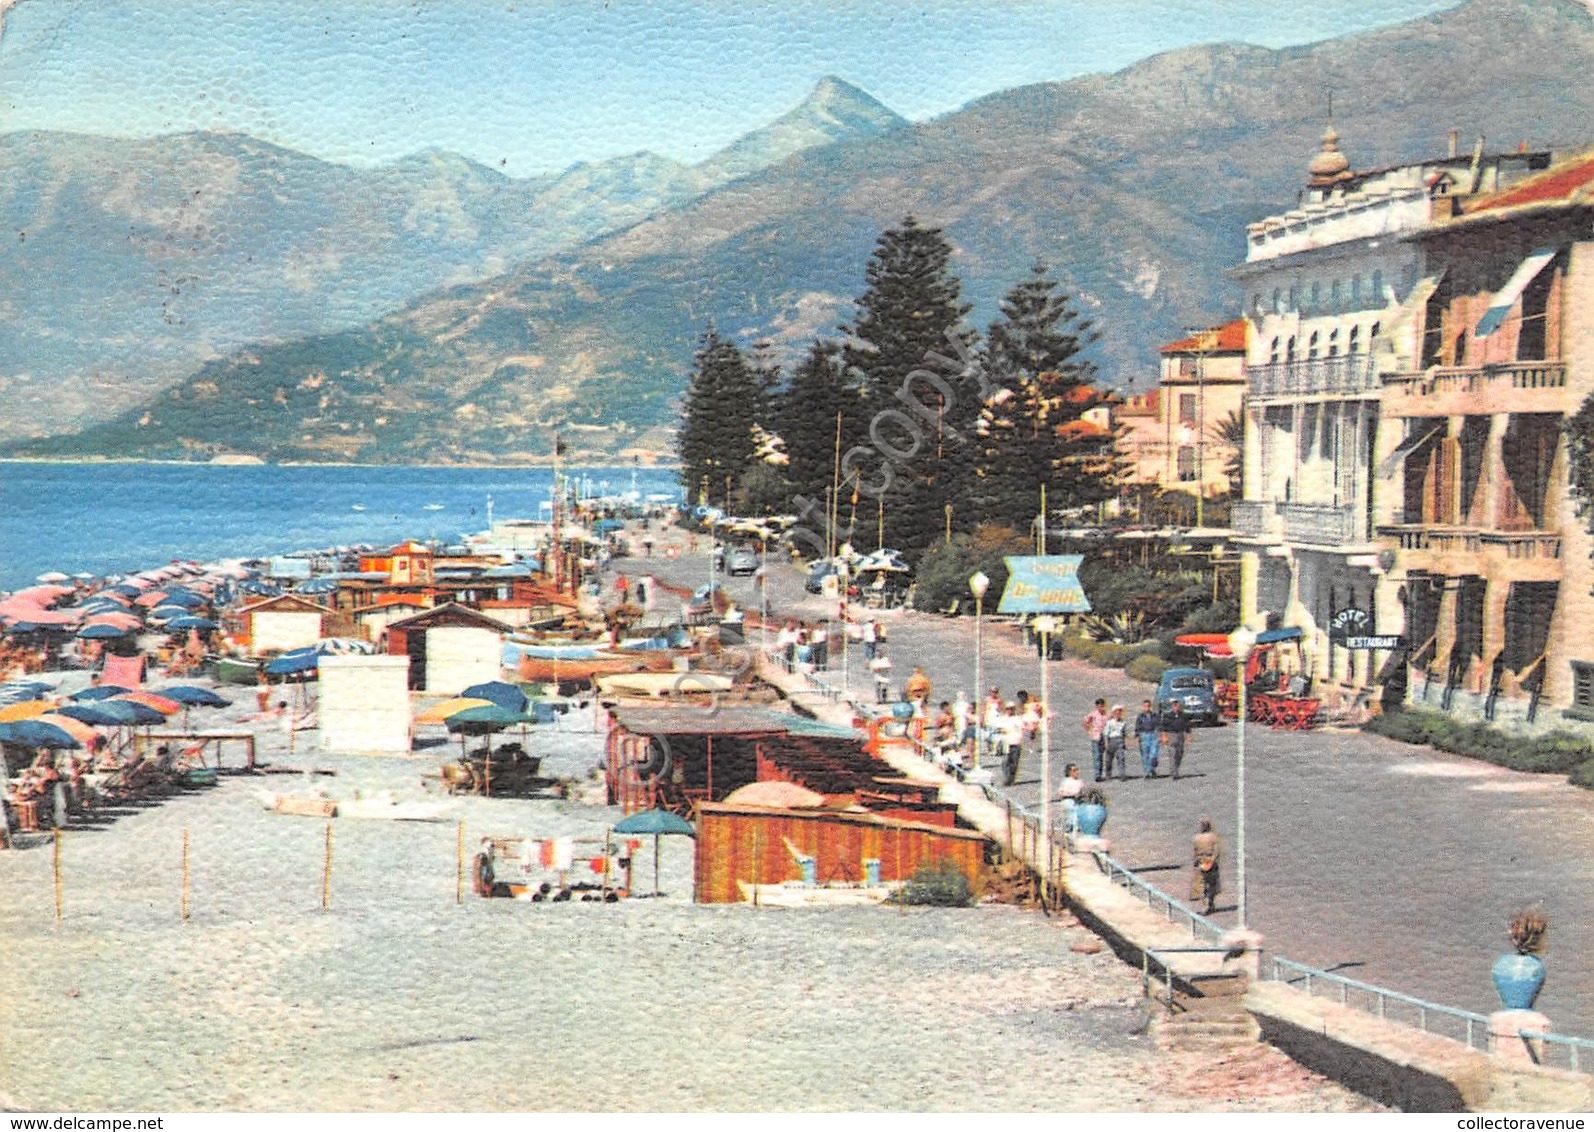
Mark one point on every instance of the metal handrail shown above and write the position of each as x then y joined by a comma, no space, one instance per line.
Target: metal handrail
1572,1046
1157,953
1381,996
1153,895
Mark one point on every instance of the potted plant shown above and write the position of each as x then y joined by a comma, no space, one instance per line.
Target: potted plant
1091,812
1518,976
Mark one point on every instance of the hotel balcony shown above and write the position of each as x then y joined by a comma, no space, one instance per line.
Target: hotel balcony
1457,391
1305,524
1346,377
1254,517
1520,556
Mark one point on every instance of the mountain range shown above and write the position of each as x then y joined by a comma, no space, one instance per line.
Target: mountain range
1134,187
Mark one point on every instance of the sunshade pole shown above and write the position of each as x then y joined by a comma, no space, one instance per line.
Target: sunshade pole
655,864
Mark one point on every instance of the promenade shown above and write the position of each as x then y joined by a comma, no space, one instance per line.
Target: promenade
1387,863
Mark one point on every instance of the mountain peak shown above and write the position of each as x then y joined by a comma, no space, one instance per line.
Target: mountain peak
834,111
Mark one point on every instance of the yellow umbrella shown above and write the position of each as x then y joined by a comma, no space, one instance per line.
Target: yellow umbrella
27,709
438,713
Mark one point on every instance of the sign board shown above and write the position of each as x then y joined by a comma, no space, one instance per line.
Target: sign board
1048,584
1353,629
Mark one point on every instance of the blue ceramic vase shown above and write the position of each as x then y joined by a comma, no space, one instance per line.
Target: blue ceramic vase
1090,818
1518,978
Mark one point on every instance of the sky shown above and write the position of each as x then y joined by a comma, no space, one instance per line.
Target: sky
533,86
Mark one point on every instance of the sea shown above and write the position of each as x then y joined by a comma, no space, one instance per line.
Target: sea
114,518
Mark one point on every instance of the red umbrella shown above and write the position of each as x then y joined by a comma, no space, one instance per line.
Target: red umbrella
151,599
150,699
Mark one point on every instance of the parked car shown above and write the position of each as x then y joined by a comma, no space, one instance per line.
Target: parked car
817,573
741,560
1194,690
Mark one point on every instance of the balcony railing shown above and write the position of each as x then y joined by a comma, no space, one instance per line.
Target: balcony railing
1447,540
1347,374
1491,379
1319,524
1250,516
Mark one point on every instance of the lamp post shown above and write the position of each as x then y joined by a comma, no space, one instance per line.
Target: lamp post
1046,723
978,584
1241,642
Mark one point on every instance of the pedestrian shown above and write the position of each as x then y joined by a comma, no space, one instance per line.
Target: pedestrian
990,710
621,586
1175,727
881,667
819,639
1068,794
1011,732
963,717
917,689
786,644
1094,723
1114,740
871,637
1147,732
1034,717
1206,882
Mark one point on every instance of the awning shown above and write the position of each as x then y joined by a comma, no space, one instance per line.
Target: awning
1506,297
1414,439
1272,636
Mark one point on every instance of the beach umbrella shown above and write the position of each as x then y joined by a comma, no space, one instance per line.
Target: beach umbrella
164,613
190,696
150,599
82,732
33,733
150,699
293,663
27,709
54,576
101,692
98,715
187,599
659,823
128,713
189,621
83,576
15,691
118,617
485,719
124,589
345,646
17,628
103,632
42,594
437,713
497,691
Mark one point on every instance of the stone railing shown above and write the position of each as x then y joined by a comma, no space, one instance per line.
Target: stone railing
1320,524
1439,381
1251,516
1472,540
1345,375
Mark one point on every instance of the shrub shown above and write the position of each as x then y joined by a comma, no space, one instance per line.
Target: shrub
1556,753
1583,775
1151,646
938,885
1086,649
1146,667
1110,655
1073,643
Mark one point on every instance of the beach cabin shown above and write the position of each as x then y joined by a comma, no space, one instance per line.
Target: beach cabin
364,704
410,563
372,620
278,624
450,647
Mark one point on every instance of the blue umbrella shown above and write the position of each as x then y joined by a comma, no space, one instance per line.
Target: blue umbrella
484,720
102,632
124,589
167,612
131,711
506,696
190,696
95,715
184,598
317,586
189,621
23,627
33,733
658,823
294,662
101,692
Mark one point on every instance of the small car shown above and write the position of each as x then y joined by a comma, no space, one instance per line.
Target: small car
1195,691
741,560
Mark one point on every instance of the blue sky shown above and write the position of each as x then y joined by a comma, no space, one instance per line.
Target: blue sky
533,86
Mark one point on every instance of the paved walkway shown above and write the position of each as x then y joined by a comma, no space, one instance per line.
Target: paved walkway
1391,864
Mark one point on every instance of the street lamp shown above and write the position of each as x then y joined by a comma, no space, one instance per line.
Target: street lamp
1241,642
978,584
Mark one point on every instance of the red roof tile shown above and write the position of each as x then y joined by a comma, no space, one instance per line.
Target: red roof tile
1230,340
1553,185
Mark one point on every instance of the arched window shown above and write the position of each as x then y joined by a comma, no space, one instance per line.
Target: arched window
1273,352
1355,292
1317,297
1333,343
1372,335
1353,342
1289,350
1311,346
1295,299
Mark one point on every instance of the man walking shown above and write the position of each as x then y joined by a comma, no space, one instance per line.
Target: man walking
1175,730
1116,742
1095,724
1147,732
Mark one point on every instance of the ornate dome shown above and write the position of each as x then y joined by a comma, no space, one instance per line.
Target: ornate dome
1330,165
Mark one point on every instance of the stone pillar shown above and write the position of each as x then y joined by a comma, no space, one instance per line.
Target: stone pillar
1493,470
1505,1042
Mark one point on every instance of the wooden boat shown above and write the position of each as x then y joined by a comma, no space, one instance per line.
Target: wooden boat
664,683
812,896
540,669
233,671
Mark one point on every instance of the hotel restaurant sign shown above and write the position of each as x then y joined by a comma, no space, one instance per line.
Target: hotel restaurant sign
1353,629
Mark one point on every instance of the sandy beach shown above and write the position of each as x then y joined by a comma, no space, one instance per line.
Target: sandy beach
399,998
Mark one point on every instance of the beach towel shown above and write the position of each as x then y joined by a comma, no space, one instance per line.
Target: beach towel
123,671
564,853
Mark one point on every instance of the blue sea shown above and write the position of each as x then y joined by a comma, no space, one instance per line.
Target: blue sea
115,518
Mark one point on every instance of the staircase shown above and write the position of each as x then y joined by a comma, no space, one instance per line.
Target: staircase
1208,1013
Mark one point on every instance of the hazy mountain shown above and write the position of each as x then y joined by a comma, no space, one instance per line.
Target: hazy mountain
1135,187
128,263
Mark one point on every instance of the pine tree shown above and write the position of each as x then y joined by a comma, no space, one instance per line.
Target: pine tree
818,393
717,419
911,311
1031,430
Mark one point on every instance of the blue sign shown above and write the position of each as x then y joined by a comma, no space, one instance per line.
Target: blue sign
1044,585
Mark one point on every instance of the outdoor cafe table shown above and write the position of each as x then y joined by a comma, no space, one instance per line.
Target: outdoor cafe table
1288,713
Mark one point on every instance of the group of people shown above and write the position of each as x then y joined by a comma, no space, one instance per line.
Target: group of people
1159,735
804,642
999,728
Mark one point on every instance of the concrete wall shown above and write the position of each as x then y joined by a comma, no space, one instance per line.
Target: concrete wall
273,631
365,704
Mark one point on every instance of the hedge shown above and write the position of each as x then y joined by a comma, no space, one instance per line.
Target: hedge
1556,753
